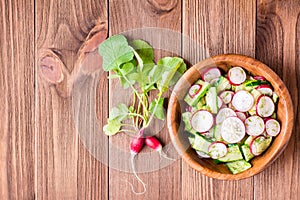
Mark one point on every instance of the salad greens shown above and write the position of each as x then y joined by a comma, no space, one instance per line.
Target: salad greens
133,64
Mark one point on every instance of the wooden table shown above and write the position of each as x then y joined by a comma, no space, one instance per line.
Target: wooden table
42,157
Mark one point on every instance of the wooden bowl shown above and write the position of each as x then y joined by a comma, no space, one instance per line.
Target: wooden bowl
179,137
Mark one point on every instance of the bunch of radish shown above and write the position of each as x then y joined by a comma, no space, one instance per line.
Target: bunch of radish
229,108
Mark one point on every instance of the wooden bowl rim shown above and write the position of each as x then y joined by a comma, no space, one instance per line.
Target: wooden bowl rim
172,127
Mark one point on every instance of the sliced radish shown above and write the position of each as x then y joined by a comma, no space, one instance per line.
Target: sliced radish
241,115
226,96
195,89
242,101
202,154
236,75
265,89
202,121
272,127
254,125
220,102
259,78
260,144
217,150
223,114
233,130
265,106
210,74
213,81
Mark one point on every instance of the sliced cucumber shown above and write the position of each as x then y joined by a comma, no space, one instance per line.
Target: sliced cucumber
202,154
238,166
233,154
212,100
201,144
192,101
246,152
249,140
222,84
275,97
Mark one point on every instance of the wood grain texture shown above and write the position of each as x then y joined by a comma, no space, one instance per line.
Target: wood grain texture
277,44
219,27
64,168
165,183
17,100
41,155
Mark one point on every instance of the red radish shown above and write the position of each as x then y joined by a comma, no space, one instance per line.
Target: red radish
272,127
220,102
241,115
195,89
136,146
213,81
242,101
254,125
265,89
265,106
226,96
217,150
154,143
236,75
202,121
210,74
259,78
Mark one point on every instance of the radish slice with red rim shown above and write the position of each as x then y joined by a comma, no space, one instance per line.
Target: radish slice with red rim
259,78
241,115
242,101
265,106
265,89
223,114
226,96
202,121
195,89
254,125
217,150
260,144
211,74
236,75
220,102
233,130
202,154
272,127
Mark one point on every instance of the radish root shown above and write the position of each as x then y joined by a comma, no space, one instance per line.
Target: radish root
164,155
137,177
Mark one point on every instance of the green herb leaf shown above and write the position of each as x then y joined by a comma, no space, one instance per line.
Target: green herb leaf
115,51
170,66
120,112
127,68
112,127
144,50
160,111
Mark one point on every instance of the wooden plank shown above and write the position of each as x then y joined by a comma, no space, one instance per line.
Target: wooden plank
17,99
277,45
218,27
64,168
165,183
